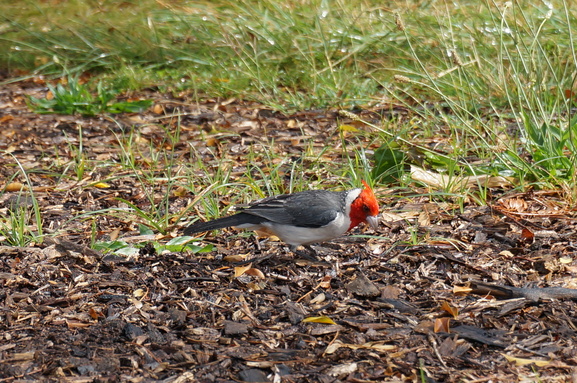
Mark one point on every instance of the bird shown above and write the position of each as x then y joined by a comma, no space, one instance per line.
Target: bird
302,218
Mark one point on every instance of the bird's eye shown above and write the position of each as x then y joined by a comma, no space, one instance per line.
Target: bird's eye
366,209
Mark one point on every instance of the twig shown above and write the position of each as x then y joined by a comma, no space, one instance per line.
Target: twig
533,294
433,342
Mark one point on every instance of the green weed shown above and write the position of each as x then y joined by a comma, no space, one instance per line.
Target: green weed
76,98
23,223
125,249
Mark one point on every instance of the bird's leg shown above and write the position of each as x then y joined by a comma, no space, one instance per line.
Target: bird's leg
311,251
257,243
254,261
310,254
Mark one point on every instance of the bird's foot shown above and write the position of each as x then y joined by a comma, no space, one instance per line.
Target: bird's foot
309,255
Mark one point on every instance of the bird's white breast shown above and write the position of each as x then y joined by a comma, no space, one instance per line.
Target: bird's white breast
296,235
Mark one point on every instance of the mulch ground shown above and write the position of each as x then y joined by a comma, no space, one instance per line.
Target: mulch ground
441,294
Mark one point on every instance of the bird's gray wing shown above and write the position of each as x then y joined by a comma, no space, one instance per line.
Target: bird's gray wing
315,208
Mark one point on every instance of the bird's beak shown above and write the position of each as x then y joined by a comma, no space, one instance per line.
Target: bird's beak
373,221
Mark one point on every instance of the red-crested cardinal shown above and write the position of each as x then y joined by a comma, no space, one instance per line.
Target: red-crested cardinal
303,218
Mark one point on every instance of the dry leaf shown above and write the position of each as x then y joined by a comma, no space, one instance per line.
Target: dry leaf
255,273
453,311
211,141
235,258
517,204
527,236
321,319
114,234
23,355
240,270
137,303
390,292
454,183
442,324
15,186
341,369
347,128
391,217
424,219
318,299
331,348
72,324
326,282
462,290
157,109
179,192
95,314
255,286
524,362
377,346
6,118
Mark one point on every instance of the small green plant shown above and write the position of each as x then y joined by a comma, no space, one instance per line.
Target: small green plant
14,227
22,211
76,98
77,152
552,146
178,244
389,163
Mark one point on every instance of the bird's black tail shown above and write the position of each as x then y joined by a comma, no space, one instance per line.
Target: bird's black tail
221,223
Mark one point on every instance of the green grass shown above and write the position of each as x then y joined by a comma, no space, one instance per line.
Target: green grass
486,88
498,81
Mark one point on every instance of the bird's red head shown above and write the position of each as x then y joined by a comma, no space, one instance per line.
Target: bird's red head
365,208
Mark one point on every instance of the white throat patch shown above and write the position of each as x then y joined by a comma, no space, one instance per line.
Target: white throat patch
351,197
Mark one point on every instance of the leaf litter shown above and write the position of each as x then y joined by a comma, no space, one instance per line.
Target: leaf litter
485,294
